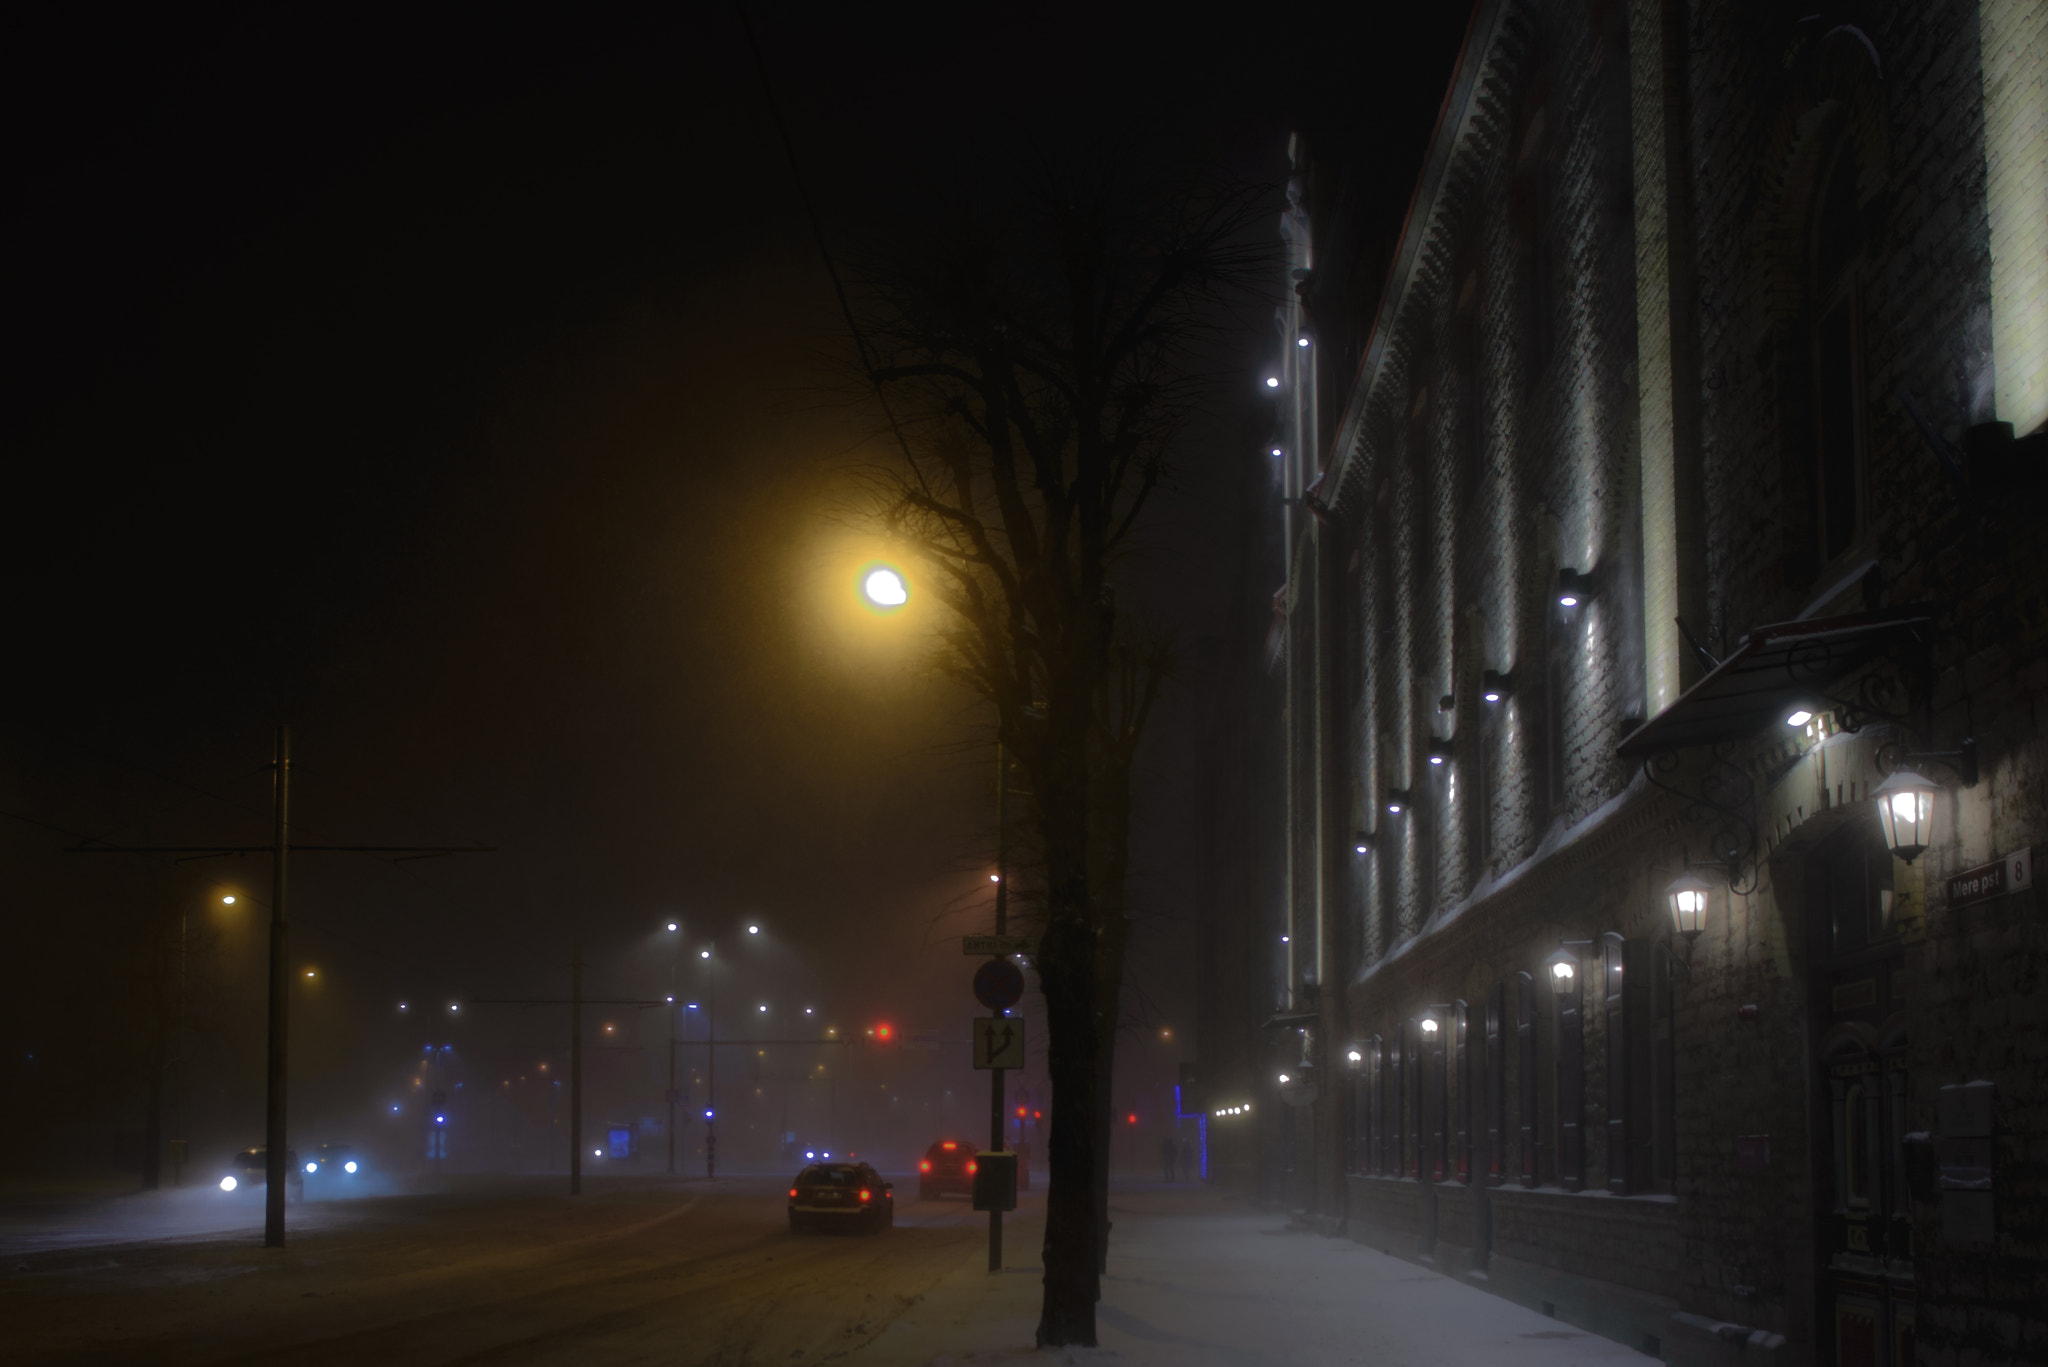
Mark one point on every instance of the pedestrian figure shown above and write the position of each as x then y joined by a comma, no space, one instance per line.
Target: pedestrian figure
1187,1159
1168,1151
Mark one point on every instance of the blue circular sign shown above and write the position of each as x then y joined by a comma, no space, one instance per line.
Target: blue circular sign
998,984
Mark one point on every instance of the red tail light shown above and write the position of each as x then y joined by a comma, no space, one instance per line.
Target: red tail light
972,1167
792,1193
865,1194
925,1166
949,1146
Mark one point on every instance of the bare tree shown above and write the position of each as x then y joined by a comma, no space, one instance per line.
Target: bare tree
1040,359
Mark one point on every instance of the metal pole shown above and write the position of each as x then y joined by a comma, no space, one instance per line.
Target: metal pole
711,1069
671,1089
995,1075
280,985
576,1072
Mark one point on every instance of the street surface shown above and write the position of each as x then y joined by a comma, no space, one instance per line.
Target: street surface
509,1270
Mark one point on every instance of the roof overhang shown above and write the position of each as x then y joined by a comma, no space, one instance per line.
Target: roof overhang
1774,670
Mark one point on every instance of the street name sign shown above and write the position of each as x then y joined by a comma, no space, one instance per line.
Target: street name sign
2014,873
998,1042
984,945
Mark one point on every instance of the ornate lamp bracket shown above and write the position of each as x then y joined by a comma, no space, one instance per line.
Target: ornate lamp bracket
1722,802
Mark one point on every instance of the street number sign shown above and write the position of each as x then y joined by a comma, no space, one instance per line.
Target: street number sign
998,984
983,945
998,1042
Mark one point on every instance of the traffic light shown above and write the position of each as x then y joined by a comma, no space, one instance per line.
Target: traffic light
883,1032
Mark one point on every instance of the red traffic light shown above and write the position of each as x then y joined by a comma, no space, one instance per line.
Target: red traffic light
1132,1117
885,1031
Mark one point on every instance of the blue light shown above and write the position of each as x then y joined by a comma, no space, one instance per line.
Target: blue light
440,1120
394,1110
691,1005
707,1115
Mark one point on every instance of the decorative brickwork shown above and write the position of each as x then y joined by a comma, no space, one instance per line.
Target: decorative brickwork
1700,302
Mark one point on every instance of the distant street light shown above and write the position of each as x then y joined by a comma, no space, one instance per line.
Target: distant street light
228,900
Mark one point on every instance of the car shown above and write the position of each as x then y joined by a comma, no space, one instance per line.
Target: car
338,1162
946,1168
249,1170
841,1196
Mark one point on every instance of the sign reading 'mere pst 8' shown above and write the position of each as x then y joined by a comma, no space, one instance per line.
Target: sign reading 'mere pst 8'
2014,873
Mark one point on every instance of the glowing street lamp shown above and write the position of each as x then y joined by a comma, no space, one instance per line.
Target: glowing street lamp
1687,897
1905,809
883,588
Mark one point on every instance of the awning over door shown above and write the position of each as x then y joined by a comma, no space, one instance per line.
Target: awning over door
1773,671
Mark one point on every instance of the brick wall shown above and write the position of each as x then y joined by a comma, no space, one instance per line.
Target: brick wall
1500,434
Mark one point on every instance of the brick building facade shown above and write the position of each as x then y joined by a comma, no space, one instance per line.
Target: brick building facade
1728,322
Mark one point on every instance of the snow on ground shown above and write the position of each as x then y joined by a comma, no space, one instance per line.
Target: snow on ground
1199,1281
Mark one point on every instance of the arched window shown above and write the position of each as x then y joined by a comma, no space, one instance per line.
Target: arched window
1837,470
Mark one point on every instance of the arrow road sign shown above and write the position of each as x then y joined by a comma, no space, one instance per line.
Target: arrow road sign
998,1042
975,945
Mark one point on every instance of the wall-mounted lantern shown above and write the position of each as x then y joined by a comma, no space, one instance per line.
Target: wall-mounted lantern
1429,1026
1362,841
1687,897
1439,751
1564,976
1397,801
1496,686
1905,809
1574,587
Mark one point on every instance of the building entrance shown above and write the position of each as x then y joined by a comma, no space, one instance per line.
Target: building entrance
1863,1231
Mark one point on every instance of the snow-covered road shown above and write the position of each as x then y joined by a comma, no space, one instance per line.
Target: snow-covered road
514,1271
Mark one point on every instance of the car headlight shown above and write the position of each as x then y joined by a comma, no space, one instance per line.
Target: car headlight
312,1167
228,1183
349,1166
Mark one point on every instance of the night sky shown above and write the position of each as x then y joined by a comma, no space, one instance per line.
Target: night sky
466,391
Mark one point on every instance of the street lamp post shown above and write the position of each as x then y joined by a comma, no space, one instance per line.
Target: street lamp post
710,1064
674,928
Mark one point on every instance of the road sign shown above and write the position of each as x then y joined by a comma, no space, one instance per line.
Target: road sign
998,984
998,1042
922,1041
973,945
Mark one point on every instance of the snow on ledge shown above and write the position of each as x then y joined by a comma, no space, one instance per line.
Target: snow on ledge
1555,841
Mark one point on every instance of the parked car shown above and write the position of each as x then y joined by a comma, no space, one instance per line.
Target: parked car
947,1168
841,1196
249,1170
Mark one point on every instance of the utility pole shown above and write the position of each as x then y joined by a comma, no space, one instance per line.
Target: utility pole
711,1068
671,1089
277,1074
995,1075
576,1071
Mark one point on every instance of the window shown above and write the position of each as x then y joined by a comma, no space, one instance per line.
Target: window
1630,1080
1525,1077
1571,1083
1397,1118
1663,1089
1496,1084
1461,1042
1837,369
1430,1087
1376,1104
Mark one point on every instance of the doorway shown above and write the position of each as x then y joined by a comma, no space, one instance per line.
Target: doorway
1863,1232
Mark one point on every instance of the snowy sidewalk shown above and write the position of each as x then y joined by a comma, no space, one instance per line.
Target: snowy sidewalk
1199,1281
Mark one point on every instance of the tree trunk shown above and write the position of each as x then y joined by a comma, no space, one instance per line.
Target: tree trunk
1066,976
